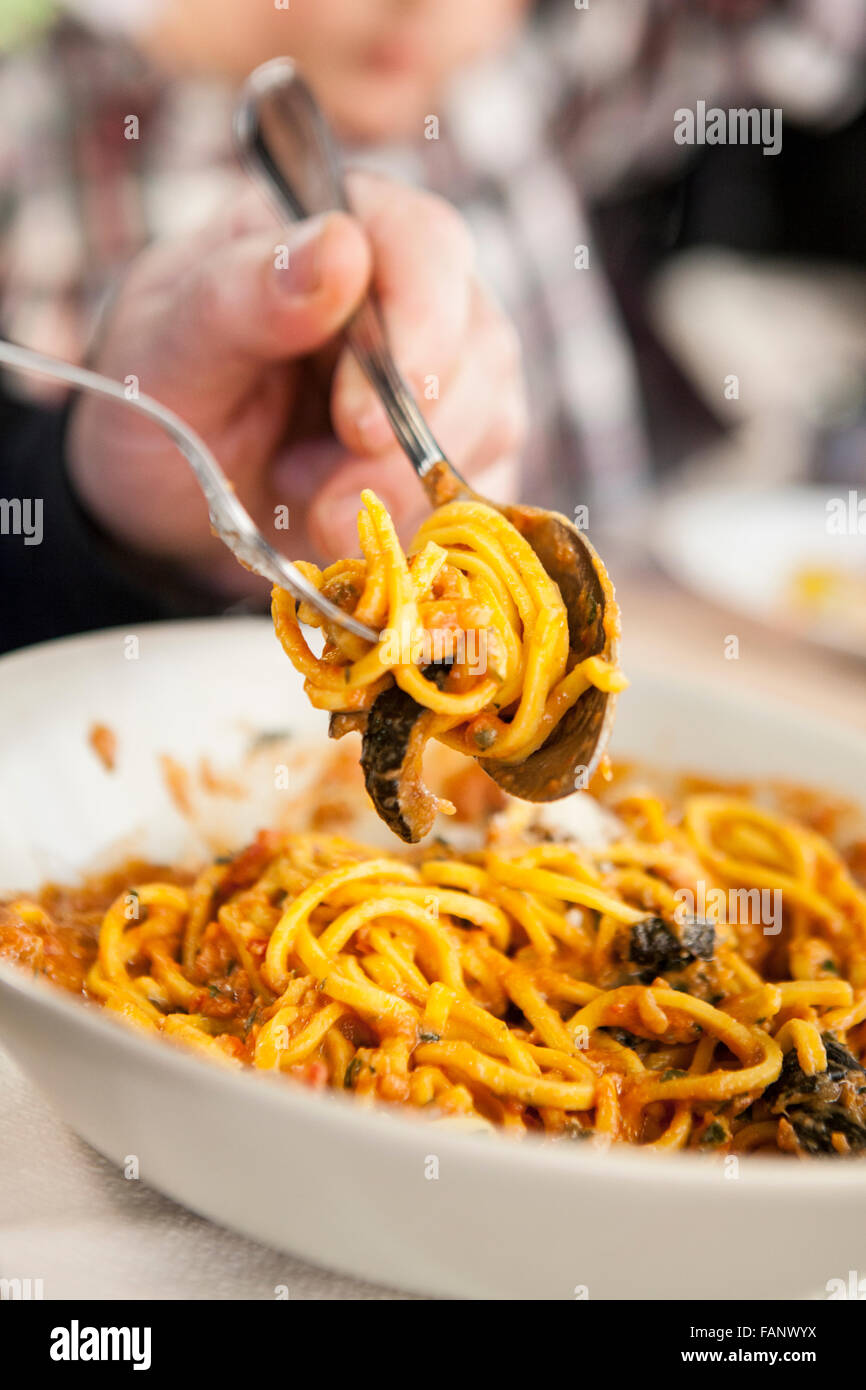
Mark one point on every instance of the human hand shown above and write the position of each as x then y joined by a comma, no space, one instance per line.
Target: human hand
245,353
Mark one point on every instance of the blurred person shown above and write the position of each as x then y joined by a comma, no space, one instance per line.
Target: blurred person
82,198
533,119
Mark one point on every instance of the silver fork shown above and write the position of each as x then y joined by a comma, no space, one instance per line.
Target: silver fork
230,519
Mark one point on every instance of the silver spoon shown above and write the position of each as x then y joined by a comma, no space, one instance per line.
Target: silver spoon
285,144
229,518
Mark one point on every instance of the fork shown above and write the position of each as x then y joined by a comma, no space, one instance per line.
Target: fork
229,517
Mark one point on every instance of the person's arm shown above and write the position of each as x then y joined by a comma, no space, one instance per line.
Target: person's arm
237,330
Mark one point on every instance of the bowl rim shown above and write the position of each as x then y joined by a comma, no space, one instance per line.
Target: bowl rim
766,706
767,1178
675,508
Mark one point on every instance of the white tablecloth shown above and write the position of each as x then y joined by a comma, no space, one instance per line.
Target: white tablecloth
69,1218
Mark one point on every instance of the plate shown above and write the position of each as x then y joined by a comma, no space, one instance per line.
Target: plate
386,1197
745,549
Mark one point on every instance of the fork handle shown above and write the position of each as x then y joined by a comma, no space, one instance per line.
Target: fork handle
229,518
284,142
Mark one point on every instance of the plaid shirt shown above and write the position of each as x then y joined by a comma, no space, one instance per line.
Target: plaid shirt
585,101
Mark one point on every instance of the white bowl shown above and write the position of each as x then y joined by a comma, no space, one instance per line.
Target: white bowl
347,1187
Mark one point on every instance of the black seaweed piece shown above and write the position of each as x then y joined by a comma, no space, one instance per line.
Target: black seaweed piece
655,946
384,748
624,1037
792,1079
815,1131
831,1102
698,937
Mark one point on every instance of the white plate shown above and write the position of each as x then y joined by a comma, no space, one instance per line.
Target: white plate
742,548
317,1174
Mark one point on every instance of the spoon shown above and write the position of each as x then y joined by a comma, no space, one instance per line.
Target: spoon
285,144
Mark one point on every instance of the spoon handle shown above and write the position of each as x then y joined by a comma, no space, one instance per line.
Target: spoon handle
285,144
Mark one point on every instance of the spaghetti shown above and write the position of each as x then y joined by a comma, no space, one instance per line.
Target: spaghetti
473,632
531,985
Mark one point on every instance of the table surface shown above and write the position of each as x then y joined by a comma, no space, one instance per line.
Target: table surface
663,624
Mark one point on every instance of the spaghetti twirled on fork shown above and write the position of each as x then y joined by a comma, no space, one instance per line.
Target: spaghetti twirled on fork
473,631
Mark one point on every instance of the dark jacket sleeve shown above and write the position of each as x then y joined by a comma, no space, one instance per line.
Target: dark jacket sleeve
58,574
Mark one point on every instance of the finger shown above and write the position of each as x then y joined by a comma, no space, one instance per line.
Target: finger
482,413
246,212
422,263
255,300
332,513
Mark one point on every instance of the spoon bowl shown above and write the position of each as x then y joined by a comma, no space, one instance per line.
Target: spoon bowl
570,756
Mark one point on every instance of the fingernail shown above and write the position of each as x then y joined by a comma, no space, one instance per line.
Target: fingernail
299,272
337,520
374,427
498,480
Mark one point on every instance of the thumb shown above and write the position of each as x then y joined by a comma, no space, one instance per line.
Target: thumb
274,296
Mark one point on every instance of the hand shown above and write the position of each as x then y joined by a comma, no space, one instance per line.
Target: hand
245,353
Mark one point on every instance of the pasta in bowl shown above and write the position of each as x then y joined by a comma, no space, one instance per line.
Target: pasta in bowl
697,982
334,1173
